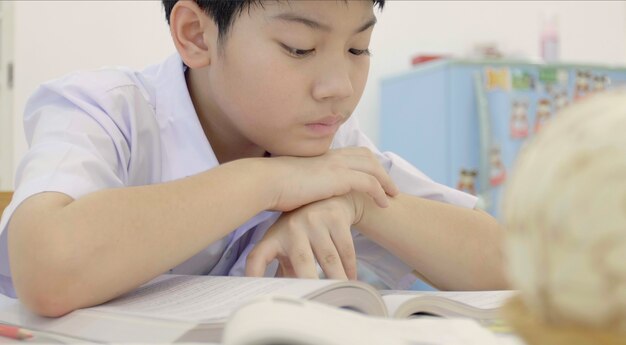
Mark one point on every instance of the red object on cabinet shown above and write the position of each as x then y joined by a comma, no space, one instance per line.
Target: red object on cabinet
416,60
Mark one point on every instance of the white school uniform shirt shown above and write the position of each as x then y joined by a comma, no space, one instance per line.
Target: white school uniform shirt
114,128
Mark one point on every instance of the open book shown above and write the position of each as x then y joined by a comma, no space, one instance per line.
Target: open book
178,308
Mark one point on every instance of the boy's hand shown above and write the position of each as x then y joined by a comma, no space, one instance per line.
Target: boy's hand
338,172
321,231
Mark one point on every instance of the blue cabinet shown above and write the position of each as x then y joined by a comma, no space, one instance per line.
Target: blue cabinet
456,118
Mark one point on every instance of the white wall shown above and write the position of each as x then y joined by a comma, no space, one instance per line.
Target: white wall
55,37
6,95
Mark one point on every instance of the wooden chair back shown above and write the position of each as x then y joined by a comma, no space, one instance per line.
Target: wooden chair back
5,199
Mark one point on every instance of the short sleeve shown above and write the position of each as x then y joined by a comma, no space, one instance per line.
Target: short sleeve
393,272
75,148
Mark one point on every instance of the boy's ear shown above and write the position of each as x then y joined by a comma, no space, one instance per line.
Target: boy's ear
193,32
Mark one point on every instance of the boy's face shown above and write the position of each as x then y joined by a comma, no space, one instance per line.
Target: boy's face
290,73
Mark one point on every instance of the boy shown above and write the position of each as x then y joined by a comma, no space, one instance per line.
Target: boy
186,168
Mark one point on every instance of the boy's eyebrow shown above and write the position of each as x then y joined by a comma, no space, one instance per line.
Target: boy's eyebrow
292,17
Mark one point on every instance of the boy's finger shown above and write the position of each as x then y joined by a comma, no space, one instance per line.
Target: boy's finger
362,159
366,183
327,255
286,268
259,258
342,239
373,167
303,262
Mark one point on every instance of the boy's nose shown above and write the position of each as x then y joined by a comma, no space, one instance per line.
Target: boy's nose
333,84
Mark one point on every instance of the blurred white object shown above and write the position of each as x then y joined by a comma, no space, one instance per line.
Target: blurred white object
287,320
549,40
565,213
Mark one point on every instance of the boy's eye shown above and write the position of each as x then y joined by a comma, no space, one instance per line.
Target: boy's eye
299,53
358,52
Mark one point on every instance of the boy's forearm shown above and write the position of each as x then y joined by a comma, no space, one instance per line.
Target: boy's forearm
453,247
111,241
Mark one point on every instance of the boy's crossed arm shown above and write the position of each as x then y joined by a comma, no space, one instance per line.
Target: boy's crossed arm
454,248
90,250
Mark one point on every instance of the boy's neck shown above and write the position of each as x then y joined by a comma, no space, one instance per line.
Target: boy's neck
227,143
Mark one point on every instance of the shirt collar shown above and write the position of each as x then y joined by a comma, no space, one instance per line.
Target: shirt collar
178,120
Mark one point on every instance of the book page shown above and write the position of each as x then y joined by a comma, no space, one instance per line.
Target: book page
203,298
290,321
477,299
475,304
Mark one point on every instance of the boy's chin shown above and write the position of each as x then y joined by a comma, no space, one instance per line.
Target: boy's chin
303,150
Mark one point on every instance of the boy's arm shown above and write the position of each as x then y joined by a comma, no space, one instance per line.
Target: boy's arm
67,254
454,248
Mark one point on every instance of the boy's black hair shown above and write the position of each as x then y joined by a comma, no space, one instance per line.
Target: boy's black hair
224,11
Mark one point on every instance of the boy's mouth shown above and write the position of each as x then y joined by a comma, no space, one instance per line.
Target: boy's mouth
325,126
327,121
